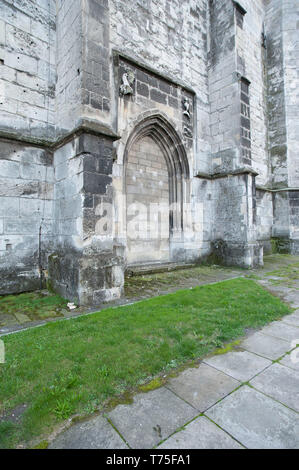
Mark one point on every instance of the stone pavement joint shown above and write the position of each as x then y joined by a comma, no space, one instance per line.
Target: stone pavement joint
281,383
241,365
201,434
151,418
202,387
257,421
267,346
94,434
282,330
288,361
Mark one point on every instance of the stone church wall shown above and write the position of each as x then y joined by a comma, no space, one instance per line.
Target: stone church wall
26,215
66,127
28,69
27,113
170,37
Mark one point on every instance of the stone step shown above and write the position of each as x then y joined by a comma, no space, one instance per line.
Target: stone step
152,268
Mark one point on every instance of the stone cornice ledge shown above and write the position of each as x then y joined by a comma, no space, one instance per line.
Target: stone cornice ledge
275,190
238,171
88,126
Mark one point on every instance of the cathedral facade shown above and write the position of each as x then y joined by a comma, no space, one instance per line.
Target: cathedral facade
144,133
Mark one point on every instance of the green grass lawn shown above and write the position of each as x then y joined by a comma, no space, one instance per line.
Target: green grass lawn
73,366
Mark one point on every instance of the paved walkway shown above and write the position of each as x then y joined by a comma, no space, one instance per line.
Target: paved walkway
248,398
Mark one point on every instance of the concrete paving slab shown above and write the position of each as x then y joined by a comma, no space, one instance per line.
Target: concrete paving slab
266,346
281,383
292,297
94,434
292,319
202,387
279,329
241,365
291,360
7,320
257,421
22,318
152,417
278,289
201,434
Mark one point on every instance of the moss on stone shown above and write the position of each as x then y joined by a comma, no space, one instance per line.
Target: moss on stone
50,287
125,399
280,245
152,385
228,347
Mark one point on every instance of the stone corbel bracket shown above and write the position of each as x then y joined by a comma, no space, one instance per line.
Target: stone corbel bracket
127,85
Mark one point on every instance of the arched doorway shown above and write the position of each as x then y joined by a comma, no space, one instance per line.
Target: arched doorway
156,187
147,208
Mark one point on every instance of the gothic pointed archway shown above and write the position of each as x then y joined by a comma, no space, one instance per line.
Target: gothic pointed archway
156,188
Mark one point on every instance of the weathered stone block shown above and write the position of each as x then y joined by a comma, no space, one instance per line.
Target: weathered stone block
156,95
9,207
95,184
142,89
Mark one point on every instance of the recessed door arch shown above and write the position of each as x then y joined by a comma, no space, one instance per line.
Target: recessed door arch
156,172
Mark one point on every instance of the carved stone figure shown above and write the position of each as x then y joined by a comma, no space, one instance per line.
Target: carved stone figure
128,79
188,133
186,105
